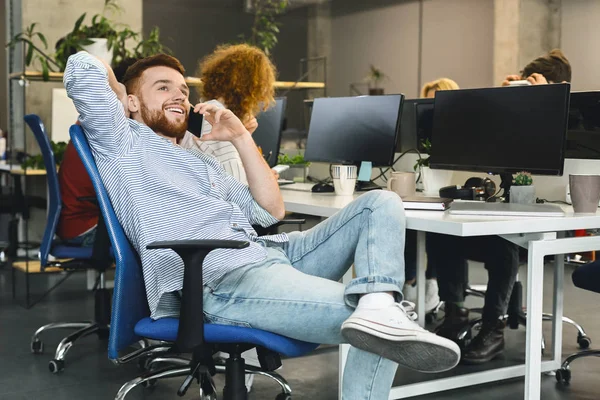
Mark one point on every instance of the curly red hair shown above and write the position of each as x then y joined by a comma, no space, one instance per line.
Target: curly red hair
242,76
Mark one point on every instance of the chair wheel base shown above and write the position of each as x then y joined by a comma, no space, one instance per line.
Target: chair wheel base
584,342
149,383
283,396
37,347
563,376
56,366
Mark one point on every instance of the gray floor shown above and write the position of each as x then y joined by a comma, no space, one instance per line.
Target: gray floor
90,375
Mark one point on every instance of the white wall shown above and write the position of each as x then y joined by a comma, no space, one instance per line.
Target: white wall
457,43
580,35
386,37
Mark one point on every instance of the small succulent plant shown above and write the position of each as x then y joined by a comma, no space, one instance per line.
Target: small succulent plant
523,179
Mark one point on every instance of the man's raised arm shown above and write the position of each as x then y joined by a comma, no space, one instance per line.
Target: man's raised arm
92,86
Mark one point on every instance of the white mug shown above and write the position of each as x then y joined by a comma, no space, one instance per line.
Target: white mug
344,179
402,183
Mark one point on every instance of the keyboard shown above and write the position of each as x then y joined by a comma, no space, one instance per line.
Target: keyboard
281,182
302,187
505,209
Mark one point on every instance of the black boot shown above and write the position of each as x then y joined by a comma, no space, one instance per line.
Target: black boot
455,320
487,345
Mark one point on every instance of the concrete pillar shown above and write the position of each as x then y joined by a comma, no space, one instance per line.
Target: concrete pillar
523,30
319,43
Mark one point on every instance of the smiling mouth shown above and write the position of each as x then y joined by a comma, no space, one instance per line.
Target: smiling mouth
175,110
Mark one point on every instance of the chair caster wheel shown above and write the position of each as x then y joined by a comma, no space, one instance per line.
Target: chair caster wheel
283,396
37,346
563,376
56,366
584,342
149,383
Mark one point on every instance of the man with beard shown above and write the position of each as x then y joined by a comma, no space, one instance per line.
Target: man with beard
286,284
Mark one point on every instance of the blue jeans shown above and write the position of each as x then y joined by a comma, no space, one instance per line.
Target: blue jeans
296,291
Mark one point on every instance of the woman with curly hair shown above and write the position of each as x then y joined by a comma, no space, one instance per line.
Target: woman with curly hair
240,77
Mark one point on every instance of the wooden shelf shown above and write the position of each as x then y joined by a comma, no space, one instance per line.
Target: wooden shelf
190,80
17,170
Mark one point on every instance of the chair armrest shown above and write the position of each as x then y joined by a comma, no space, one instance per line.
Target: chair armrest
198,244
193,252
289,221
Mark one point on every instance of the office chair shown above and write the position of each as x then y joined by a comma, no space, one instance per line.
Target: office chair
81,258
131,322
586,277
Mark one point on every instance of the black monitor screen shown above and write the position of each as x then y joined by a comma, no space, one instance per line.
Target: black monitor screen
415,125
501,130
583,134
268,134
354,129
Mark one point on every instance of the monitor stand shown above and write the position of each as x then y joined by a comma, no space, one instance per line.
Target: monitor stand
362,186
506,183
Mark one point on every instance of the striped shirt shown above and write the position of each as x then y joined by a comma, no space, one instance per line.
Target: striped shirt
161,191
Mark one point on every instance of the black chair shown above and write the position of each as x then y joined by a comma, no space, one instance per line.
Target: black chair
585,277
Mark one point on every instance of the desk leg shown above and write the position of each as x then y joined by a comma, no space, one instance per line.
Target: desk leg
533,348
421,267
557,311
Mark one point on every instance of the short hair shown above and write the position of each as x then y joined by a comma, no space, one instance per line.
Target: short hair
134,73
242,76
439,84
554,66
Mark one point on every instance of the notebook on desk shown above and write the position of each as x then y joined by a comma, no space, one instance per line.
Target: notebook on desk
426,203
506,209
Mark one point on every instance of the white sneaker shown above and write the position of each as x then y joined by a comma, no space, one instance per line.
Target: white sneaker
432,296
392,333
409,292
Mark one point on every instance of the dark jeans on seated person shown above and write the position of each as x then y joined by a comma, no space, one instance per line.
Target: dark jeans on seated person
86,239
410,257
501,258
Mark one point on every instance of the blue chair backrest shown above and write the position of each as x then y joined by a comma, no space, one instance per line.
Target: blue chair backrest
54,200
129,296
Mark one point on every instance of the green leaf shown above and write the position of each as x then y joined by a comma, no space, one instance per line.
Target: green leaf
45,72
78,22
29,56
42,39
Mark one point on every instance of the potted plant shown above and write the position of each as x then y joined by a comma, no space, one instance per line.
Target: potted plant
522,190
32,40
298,167
374,78
432,180
265,27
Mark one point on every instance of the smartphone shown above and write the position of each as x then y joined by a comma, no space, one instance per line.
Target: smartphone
519,83
195,123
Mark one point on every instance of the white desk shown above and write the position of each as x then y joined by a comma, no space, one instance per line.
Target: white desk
537,234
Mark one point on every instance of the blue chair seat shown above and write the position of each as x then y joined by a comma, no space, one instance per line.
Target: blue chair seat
80,253
167,328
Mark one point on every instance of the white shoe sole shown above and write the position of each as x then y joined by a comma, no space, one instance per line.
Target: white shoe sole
421,351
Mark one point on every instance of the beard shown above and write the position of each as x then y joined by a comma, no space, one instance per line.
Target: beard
158,122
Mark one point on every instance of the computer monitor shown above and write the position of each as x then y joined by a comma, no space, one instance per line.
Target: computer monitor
415,125
268,134
583,132
349,130
501,130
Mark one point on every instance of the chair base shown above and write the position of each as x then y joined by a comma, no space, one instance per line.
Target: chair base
86,328
235,388
83,329
563,375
